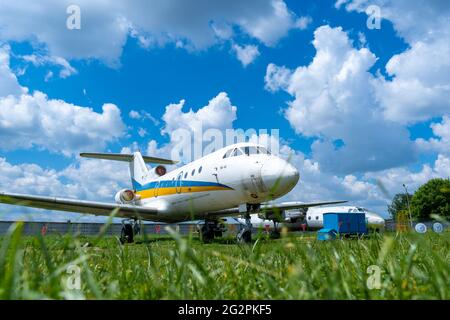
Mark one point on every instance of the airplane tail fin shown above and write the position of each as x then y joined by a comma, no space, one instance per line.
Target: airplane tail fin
138,170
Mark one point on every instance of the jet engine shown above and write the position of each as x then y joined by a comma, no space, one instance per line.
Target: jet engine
125,196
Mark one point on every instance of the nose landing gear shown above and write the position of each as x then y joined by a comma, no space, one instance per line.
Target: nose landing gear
245,235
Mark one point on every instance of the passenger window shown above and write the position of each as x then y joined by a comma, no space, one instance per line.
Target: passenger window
185,176
200,170
317,217
193,172
309,218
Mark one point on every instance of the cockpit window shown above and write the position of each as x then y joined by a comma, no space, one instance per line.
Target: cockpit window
228,154
250,151
263,150
237,152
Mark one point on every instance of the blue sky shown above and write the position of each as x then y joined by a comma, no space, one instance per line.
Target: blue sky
371,108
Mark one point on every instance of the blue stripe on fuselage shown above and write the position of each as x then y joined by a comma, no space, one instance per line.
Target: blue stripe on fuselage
175,183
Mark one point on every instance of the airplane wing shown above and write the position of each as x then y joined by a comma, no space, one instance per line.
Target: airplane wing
297,205
276,207
80,206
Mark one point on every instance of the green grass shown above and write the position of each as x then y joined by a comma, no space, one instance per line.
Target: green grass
294,267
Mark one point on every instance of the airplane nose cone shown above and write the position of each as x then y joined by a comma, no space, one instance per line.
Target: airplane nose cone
279,176
380,221
375,221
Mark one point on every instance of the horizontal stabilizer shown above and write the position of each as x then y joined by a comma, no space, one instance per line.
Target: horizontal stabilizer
125,158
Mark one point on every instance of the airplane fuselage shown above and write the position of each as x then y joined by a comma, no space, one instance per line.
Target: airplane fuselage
227,178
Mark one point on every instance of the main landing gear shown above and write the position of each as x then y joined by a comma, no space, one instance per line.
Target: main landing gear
129,229
210,230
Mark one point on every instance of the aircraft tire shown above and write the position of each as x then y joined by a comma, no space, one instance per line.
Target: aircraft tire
127,234
206,234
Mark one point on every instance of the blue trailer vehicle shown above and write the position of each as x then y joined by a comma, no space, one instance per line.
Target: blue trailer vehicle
342,224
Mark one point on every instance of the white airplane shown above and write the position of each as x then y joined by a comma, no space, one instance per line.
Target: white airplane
236,180
312,218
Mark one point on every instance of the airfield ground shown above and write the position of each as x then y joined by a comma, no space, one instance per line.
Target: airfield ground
297,266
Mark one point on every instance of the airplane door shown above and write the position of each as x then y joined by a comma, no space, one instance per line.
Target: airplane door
216,174
178,183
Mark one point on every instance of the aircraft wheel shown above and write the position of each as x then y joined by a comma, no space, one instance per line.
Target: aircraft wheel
206,234
126,235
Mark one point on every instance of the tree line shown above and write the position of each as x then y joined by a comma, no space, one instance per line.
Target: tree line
432,198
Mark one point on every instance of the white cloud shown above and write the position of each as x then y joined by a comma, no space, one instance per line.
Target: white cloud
303,23
420,85
28,120
134,114
420,89
246,54
40,60
222,30
393,179
48,76
413,21
55,125
334,101
441,142
317,185
269,28
105,25
8,80
276,77
142,132
141,115
186,129
219,113
96,180
362,39
31,178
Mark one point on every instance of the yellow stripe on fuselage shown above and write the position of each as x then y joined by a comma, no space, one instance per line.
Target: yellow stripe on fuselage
151,193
